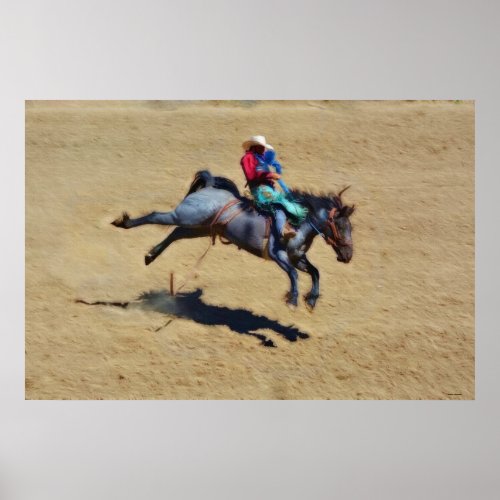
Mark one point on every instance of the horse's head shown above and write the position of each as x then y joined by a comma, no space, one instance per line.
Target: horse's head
330,217
336,226
337,231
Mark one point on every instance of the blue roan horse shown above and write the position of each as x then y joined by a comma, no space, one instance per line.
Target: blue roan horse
213,205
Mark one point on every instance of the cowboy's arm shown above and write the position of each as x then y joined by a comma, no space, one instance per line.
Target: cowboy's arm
277,166
270,159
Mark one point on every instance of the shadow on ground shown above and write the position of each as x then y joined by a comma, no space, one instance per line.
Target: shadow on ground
190,306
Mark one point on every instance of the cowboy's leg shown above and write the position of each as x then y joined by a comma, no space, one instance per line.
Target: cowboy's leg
178,233
293,208
281,227
270,200
279,255
279,220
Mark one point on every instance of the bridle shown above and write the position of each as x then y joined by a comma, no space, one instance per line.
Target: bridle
330,223
337,241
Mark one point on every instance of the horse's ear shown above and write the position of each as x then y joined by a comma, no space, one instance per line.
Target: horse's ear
347,211
343,191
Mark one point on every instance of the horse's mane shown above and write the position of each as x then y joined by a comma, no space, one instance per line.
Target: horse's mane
318,201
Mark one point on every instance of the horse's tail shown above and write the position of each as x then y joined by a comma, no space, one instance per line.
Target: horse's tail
203,179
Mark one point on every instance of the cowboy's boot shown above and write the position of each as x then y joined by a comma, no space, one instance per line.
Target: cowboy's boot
288,232
285,231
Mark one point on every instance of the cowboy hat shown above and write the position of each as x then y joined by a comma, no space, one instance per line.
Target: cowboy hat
256,140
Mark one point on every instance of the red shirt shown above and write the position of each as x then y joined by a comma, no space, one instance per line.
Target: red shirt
249,164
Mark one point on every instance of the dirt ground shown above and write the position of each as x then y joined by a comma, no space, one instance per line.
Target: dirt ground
395,323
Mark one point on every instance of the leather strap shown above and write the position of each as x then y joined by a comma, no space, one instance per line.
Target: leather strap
216,220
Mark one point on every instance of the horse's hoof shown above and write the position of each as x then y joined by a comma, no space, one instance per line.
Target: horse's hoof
291,301
121,221
310,305
310,302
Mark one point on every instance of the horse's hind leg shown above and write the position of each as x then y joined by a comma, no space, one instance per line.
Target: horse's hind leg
163,218
194,211
178,233
304,265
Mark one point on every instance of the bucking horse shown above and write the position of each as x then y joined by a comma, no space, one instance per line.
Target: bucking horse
214,206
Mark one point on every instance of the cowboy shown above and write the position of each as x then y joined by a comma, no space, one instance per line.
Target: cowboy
261,183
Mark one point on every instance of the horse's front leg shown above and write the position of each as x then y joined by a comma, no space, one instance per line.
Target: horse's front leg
303,264
178,233
280,256
163,218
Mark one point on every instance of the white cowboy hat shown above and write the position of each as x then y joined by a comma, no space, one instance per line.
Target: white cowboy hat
256,140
